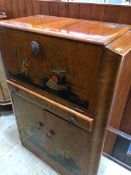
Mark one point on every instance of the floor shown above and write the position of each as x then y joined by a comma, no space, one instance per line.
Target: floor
17,160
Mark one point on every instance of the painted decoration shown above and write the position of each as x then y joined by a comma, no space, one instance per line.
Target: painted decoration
58,153
54,82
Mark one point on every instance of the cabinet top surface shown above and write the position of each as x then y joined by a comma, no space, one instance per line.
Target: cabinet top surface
75,29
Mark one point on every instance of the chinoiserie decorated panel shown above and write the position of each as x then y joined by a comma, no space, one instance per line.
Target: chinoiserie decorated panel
56,66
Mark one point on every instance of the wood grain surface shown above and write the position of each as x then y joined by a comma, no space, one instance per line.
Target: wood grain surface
104,12
74,29
90,72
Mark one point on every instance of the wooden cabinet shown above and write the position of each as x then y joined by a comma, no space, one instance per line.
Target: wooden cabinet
65,77
4,93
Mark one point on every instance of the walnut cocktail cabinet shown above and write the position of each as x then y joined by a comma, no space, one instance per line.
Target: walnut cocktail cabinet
65,77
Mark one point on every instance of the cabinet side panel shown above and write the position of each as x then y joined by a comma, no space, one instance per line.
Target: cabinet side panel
107,79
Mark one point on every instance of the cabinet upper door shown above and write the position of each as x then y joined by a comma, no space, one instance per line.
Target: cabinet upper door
65,70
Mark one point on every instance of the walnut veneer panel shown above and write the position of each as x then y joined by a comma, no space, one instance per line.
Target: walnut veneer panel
119,113
67,54
122,47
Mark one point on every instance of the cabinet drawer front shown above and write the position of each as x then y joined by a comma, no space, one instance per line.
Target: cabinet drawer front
83,121
60,143
66,70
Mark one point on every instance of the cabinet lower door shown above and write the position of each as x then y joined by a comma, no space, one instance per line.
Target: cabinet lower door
58,142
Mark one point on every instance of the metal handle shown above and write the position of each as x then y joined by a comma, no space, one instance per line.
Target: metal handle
40,125
35,47
51,134
72,120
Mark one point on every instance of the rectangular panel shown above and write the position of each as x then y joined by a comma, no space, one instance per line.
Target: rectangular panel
125,15
97,12
53,8
36,7
85,11
74,10
21,8
57,68
14,7
44,7
28,7
56,141
63,9
111,13
8,5
2,6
